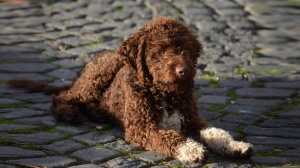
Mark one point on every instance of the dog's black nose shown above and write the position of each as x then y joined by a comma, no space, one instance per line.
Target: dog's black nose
182,71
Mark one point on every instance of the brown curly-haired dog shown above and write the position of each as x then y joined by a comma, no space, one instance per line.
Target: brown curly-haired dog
147,87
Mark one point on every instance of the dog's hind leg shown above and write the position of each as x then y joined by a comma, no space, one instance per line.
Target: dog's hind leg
83,97
221,142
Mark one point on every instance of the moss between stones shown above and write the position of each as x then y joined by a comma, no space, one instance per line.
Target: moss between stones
269,72
119,9
7,141
268,153
218,108
7,121
32,147
240,129
16,106
21,131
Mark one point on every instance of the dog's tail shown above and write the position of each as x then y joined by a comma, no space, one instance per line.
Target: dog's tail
34,86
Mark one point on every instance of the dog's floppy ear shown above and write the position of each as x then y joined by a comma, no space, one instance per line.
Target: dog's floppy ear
133,50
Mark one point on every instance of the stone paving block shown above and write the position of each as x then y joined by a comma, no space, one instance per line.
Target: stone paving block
150,156
289,114
124,162
210,115
49,162
11,152
240,119
9,101
224,125
258,102
27,67
285,85
234,84
78,51
39,138
11,49
210,25
94,138
46,120
22,113
245,109
273,132
214,99
213,91
64,74
8,127
177,163
122,145
58,54
63,147
69,64
32,97
31,76
11,39
229,165
7,166
277,123
273,141
43,106
291,153
273,160
87,166
201,82
7,90
264,93
95,154
71,129
72,41
15,57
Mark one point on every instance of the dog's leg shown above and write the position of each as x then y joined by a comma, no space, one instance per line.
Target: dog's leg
221,142
142,130
83,97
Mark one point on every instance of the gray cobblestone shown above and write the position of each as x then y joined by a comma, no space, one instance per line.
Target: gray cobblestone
95,154
51,161
63,147
8,127
149,156
9,101
22,113
14,152
214,99
273,132
45,121
93,138
122,146
123,162
35,138
245,109
264,93
27,67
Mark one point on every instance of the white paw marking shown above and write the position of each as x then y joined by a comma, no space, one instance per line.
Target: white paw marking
221,142
191,151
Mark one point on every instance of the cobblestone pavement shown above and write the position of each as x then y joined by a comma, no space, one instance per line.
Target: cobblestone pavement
248,79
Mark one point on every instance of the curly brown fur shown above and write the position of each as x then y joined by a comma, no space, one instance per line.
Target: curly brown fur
147,87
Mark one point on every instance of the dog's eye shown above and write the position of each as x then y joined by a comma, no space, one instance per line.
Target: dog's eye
161,52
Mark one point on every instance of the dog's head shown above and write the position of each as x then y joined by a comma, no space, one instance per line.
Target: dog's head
164,53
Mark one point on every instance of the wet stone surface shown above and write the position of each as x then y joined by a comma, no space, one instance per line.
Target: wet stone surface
247,78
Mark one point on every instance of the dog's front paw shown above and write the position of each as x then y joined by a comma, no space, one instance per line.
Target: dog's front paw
192,151
240,150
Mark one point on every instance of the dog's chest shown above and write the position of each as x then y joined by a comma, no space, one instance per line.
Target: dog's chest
171,117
